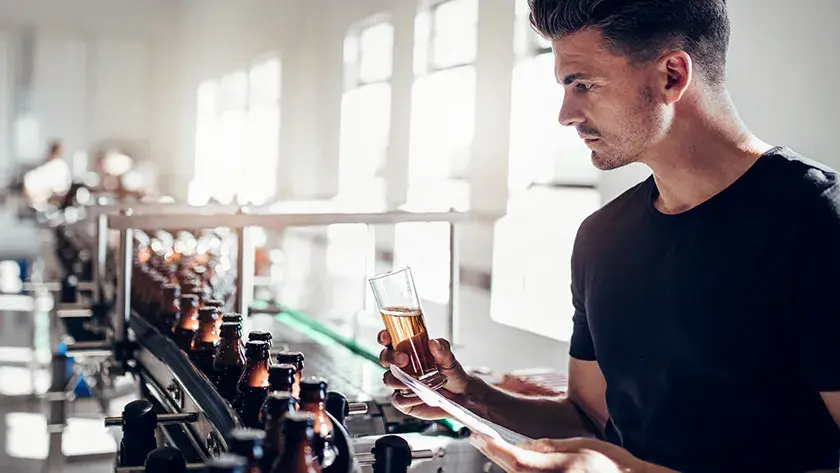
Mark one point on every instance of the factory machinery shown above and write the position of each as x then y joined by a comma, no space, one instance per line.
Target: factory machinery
165,304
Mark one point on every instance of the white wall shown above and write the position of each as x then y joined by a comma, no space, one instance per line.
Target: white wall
118,86
782,61
60,98
92,71
6,81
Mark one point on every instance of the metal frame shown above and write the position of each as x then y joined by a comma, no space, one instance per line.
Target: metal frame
241,222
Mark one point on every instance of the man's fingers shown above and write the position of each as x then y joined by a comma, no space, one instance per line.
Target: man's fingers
386,357
497,453
389,380
572,445
442,351
415,407
542,445
518,460
384,338
404,402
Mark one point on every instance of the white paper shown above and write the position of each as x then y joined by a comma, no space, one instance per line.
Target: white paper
459,413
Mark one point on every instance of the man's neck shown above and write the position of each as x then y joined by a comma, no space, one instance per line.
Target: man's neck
702,156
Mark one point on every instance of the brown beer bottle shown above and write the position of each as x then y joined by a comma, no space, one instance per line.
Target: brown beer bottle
294,358
313,397
237,318
261,336
297,454
187,322
277,406
203,347
195,287
219,305
156,302
283,378
252,388
248,444
229,361
168,313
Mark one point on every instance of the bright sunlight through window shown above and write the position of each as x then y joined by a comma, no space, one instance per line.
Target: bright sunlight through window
237,136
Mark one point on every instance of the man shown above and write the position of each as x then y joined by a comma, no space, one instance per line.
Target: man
706,331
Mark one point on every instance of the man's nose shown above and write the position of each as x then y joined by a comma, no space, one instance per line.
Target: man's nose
570,113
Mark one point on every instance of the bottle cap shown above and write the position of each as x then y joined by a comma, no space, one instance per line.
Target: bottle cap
139,416
281,377
256,350
247,443
207,314
278,404
313,388
188,299
299,425
230,330
166,460
291,357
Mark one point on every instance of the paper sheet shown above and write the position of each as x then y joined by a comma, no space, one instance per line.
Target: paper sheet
459,413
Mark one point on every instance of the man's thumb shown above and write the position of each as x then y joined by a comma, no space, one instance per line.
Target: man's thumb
444,358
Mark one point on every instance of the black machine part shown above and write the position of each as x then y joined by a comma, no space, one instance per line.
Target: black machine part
393,455
166,460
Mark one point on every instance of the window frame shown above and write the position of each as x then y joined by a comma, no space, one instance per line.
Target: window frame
223,106
533,49
430,8
352,71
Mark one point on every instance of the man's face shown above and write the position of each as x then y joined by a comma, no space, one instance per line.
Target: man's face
610,102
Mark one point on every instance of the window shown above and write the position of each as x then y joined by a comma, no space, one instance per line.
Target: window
363,144
550,174
442,127
541,150
237,136
365,113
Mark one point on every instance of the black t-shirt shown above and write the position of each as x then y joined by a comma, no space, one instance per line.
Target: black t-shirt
717,328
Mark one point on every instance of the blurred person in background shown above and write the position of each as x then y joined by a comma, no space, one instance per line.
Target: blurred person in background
49,182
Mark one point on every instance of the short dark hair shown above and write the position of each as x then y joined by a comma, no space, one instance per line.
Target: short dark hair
642,29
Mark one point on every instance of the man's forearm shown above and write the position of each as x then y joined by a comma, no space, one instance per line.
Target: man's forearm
536,417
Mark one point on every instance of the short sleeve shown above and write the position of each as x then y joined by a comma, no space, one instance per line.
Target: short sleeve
581,346
818,318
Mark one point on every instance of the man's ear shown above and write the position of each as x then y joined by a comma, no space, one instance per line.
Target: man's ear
676,71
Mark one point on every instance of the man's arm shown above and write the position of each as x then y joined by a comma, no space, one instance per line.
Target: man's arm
582,413
832,402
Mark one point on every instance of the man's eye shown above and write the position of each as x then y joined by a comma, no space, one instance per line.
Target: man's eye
583,87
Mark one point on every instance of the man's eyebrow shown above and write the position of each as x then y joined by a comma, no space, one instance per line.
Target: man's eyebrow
575,76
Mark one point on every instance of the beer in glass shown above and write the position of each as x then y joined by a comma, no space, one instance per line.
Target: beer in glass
399,305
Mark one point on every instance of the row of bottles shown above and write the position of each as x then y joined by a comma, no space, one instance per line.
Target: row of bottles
197,263
243,372
289,443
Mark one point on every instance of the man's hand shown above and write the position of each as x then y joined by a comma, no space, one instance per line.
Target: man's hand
455,388
568,456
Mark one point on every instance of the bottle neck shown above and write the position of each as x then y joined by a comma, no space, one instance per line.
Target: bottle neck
188,318
207,333
313,406
256,373
297,455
